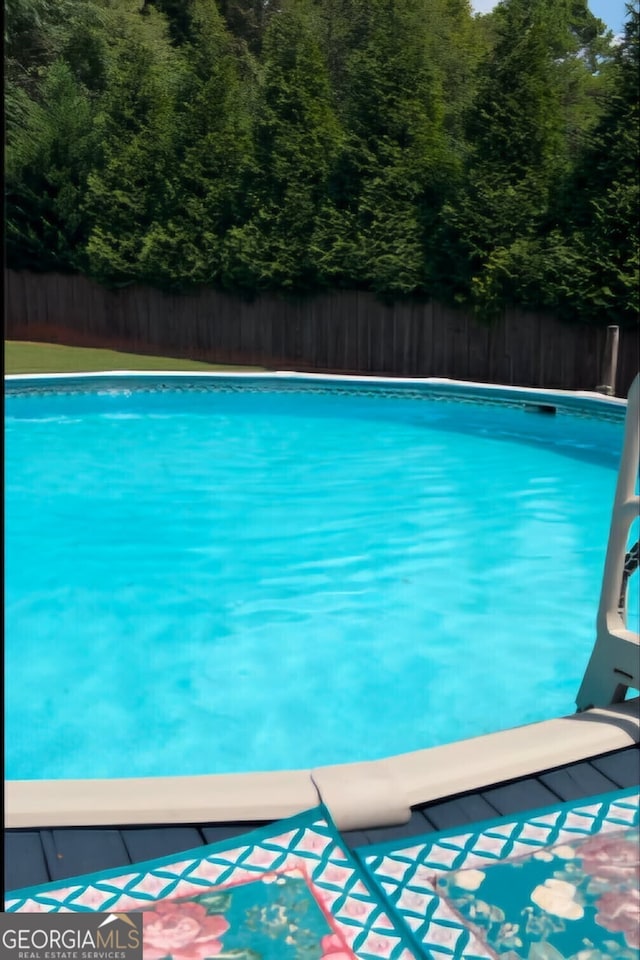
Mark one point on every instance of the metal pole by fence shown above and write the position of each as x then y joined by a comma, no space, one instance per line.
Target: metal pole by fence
609,367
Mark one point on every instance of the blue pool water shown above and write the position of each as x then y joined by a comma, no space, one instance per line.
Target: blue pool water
217,581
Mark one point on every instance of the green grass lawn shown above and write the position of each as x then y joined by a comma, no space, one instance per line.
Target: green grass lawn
26,357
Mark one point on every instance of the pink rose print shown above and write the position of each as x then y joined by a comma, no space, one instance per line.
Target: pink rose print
611,858
620,913
183,931
333,948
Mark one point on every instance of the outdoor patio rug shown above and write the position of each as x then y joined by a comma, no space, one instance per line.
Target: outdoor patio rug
554,884
290,891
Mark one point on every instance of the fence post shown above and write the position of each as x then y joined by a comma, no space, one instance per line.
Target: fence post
609,363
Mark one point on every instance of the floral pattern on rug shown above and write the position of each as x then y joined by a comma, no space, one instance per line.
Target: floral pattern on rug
554,884
290,891
576,901
277,916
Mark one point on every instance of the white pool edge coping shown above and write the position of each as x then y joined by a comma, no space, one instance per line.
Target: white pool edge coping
358,795
463,385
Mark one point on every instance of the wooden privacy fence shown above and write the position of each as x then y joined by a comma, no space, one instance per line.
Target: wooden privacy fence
337,331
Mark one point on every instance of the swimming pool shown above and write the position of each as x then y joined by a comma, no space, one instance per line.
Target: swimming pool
214,575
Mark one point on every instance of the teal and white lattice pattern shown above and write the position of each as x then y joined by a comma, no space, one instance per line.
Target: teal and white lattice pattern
408,877
304,848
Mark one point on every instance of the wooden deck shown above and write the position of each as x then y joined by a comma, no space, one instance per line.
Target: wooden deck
38,856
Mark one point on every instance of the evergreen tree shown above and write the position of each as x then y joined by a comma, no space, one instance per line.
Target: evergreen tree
211,140
181,19
48,162
604,232
248,19
33,36
401,146
387,183
520,151
296,138
132,184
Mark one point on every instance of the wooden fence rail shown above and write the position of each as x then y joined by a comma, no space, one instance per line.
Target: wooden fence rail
338,332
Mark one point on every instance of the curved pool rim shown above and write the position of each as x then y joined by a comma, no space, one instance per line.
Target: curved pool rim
358,795
586,403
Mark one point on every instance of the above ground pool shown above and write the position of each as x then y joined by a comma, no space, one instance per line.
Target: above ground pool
219,575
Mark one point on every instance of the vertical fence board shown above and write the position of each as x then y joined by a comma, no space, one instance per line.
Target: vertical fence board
247,333
347,314
260,322
478,351
424,343
360,356
278,357
498,360
220,350
522,343
387,341
74,302
313,333
15,308
378,322
338,333
35,302
402,355
628,358
458,362
440,342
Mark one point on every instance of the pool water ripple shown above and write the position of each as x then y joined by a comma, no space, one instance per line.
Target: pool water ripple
219,582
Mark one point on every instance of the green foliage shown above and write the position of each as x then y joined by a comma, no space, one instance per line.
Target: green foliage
247,20
296,136
33,35
48,163
533,115
180,19
400,146
602,225
211,140
131,185
391,172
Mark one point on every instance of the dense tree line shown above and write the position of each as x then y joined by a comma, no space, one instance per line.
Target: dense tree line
401,146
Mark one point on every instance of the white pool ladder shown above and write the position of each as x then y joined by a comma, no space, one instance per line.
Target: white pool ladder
614,666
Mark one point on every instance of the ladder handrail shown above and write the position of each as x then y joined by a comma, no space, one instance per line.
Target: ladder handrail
614,665
626,508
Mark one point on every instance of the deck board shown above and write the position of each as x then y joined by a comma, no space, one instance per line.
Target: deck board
214,833
460,811
33,857
24,860
417,825
623,767
70,852
355,838
519,796
151,843
578,781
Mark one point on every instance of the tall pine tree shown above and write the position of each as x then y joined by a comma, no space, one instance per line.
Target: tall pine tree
211,161
133,184
521,127
387,183
48,161
603,231
296,139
